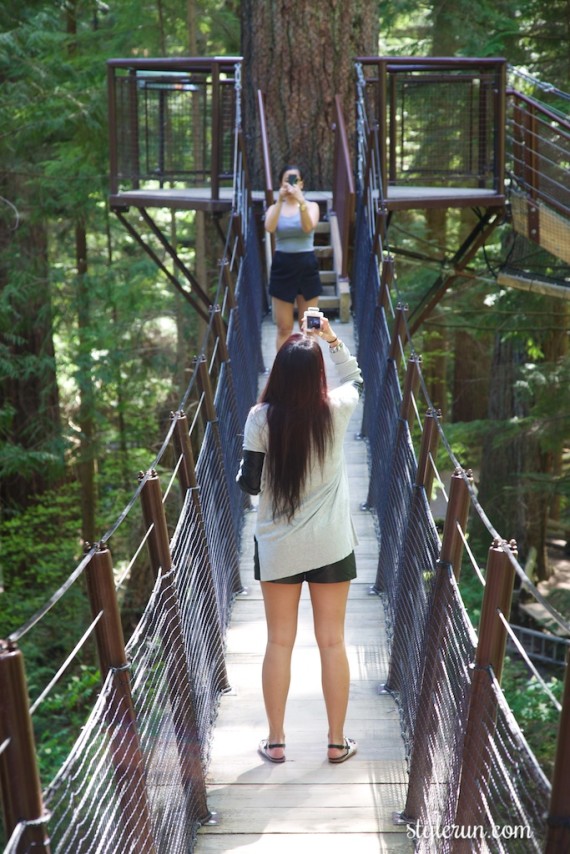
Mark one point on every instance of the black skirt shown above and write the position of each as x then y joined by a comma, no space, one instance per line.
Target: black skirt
332,573
294,273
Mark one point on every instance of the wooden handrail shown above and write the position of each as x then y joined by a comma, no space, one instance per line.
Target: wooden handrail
344,195
268,180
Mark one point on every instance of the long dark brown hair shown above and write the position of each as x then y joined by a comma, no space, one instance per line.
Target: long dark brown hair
299,420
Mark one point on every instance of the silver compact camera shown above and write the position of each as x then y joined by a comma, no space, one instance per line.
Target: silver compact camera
313,318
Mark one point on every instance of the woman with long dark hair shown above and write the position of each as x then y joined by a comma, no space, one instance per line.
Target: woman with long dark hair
293,458
294,277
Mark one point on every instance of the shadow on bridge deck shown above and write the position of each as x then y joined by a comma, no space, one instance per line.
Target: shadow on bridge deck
307,804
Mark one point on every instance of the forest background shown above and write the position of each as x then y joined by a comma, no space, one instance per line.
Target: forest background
95,346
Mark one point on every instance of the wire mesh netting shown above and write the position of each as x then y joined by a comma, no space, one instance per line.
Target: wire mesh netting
472,775
135,780
438,120
166,124
442,129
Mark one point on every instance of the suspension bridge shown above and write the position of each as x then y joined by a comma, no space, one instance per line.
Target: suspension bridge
166,761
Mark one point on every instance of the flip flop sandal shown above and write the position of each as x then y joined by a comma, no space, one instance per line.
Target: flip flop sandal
349,747
264,747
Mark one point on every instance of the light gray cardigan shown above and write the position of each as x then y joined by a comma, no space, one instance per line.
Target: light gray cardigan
321,531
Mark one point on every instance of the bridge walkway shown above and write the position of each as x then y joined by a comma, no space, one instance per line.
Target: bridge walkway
307,804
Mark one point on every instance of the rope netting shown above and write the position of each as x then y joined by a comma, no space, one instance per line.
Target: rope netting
471,770
134,781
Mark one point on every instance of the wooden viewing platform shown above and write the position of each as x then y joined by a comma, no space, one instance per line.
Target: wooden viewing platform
307,804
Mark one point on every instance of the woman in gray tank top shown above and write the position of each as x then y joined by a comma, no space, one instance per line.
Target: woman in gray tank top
294,277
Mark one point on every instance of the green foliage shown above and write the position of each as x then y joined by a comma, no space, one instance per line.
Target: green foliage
533,709
40,547
60,717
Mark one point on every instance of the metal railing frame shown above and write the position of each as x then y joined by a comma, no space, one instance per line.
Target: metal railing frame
216,71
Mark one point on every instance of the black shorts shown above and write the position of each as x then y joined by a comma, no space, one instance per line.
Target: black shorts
332,573
294,273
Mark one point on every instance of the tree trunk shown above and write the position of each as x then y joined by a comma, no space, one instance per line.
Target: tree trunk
471,371
509,490
29,398
502,457
86,415
300,54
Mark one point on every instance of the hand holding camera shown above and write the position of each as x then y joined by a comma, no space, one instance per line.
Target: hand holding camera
312,319
315,323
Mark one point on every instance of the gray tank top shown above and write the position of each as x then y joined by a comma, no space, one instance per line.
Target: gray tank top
289,235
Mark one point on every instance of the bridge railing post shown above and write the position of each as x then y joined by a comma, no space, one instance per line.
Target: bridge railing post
430,436
482,713
126,755
222,353
456,518
421,760
181,692
428,447
21,790
398,334
386,280
205,386
558,833
188,482
411,385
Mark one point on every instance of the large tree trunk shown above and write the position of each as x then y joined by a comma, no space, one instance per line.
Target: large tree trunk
86,414
471,370
29,399
499,488
513,497
300,54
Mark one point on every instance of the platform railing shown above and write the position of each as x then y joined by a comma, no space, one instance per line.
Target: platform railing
171,120
538,149
453,106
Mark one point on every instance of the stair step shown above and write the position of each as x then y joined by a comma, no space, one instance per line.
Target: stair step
329,303
328,277
323,251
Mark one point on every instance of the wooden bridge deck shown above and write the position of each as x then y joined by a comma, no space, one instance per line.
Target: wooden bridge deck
307,804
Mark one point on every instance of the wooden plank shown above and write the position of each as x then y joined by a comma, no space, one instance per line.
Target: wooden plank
553,229
305,843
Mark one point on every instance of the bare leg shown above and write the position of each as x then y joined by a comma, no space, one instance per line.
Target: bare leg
303,305
329,610
281,610
283,314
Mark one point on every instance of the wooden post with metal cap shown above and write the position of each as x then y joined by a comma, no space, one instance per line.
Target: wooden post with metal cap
180,689
125,749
